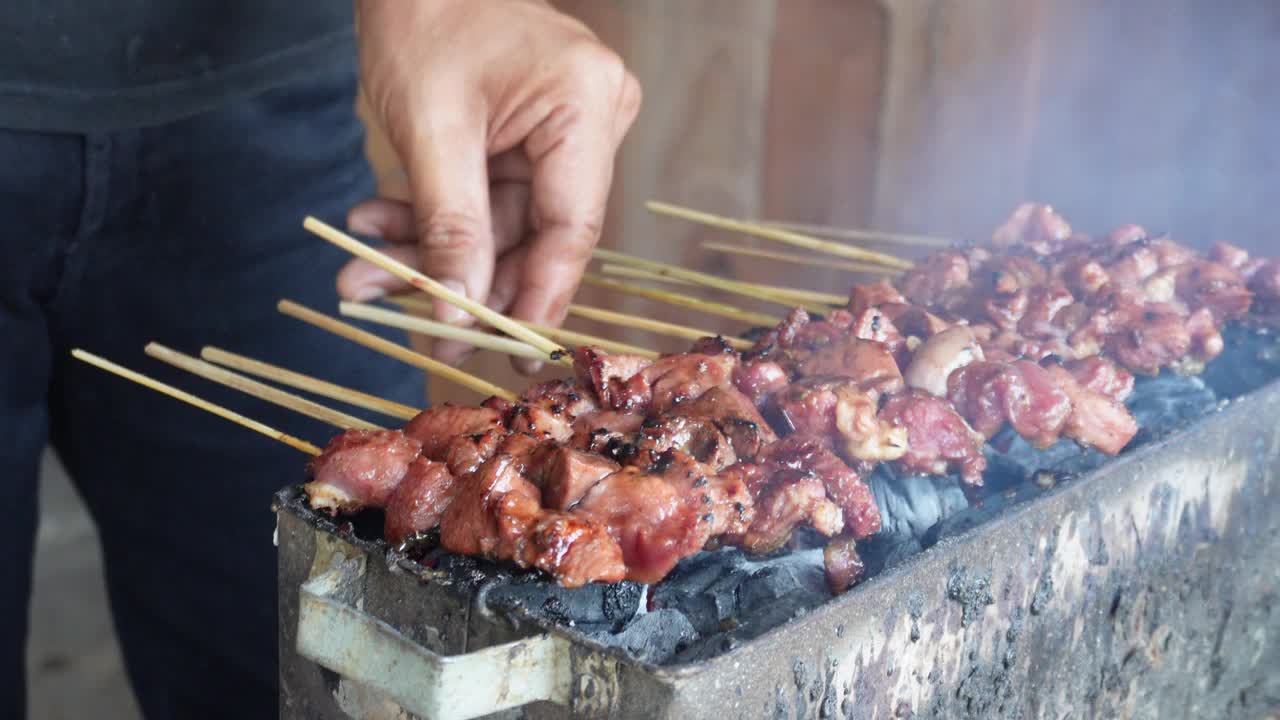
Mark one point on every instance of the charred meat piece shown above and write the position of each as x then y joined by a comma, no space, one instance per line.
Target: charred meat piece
465,453
1265,284
779,337
1220,289
758,379
436,427
1095,420
1100,375
652,521
736,417
568,474
841,414
670,381
541,422
865,297
572,549
870,363
939,277
1034,226
842,484
490,507
360,469
419,500
792,498
600,371
1157,338
1230,255
938,439
843,567
562,396
1020,393
1044,302
697,437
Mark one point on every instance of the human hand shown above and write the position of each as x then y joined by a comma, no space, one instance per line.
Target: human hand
506,115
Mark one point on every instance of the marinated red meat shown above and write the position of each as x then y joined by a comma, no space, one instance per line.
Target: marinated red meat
869,363
736,417
843,415
842,484
698,437
1229,255
1204,284
465,453
598,370
1095,420
568,474
938,439
842,564
1265,284
1034,226
1020,393
650,520
864,297
541,422
436,427
1043,305
574,550
419,500
936,278
562,396
359,469
793,498
758,379
1157,338
1102,376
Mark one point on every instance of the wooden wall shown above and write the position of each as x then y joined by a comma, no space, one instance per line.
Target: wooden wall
934,116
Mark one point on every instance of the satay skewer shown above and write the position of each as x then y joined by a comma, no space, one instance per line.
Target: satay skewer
300,381
186,397
812,261
876,236
386,347
612,258
777,234
560,334
433,328
431,287
791,297
262,391
690,302
654,326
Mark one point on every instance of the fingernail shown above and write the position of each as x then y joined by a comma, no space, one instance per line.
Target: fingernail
451,313
360,226
369,293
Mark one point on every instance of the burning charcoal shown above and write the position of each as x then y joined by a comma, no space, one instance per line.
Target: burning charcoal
911,504
536,596
621,602
1163,404
1249,360
785,575
653,637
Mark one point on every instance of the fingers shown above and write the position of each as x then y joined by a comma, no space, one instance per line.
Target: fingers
449,184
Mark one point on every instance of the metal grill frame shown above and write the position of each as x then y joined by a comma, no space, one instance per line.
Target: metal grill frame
1148,588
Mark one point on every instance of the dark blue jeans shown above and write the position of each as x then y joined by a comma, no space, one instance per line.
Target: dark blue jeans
186,234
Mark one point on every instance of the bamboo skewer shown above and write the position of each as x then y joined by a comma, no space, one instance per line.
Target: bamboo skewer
784,236
822,262
560,334
258,390
432,328
430,286
386,347
308,383
654,326
836,233
790,297
698,278
201,403
680,300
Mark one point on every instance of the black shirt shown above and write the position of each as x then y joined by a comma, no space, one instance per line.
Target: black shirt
85,65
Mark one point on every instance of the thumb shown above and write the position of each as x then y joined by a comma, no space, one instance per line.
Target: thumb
449,186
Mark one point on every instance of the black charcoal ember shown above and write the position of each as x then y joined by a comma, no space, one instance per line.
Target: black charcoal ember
1165,403
538,596
621,601
911,504
653,637
1250,359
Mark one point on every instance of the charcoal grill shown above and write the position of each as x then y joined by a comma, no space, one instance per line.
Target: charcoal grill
1146,588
